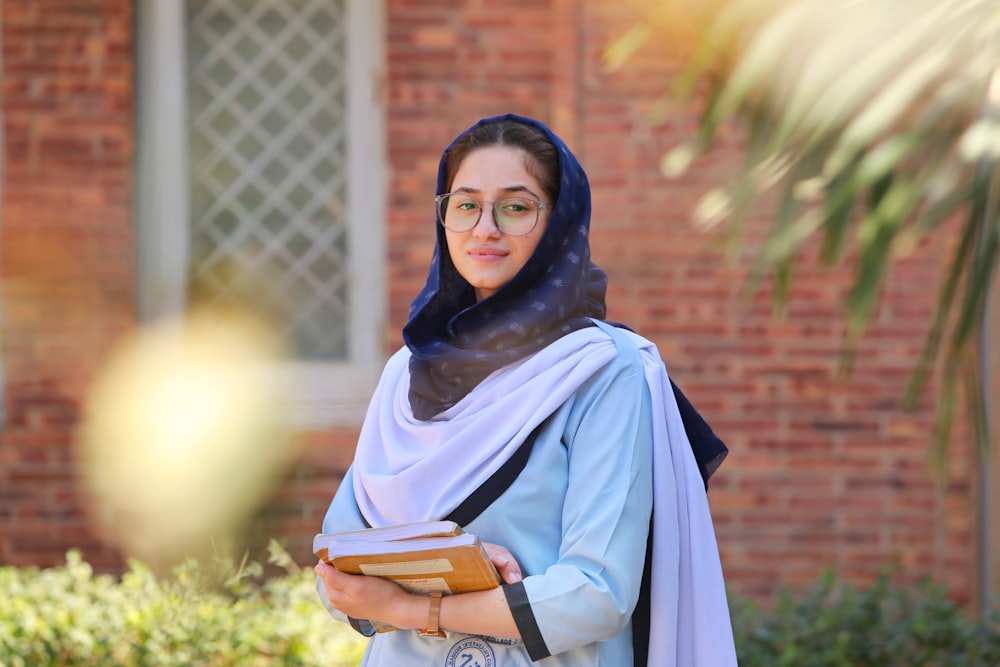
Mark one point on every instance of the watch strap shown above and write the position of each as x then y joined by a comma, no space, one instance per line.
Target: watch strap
433,628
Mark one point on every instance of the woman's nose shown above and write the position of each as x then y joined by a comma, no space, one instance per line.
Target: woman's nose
487,224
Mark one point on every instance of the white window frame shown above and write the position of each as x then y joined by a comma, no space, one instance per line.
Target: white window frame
323,394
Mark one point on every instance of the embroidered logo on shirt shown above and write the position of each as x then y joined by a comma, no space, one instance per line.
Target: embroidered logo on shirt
471,652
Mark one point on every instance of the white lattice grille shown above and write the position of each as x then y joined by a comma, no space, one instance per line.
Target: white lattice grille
269,166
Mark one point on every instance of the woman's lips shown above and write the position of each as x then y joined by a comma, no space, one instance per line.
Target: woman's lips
487,253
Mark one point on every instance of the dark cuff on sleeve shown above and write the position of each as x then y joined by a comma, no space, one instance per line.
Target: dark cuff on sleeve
362,626
524,618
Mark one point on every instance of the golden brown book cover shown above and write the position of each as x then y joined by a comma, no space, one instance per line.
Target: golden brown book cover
449,560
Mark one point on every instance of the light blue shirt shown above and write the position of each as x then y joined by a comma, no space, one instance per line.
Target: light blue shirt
576,519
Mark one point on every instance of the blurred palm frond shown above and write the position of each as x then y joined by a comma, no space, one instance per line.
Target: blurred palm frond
874,123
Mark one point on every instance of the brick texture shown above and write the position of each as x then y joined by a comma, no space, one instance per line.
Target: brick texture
66,259
823,472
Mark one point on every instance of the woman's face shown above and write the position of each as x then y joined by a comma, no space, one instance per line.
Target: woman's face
486,257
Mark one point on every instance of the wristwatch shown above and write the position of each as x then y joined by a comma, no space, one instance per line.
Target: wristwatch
434,618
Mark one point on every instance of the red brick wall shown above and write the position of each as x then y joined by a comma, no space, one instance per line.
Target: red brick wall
821,472
66,260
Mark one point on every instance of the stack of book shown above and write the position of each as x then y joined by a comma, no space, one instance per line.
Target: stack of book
423,557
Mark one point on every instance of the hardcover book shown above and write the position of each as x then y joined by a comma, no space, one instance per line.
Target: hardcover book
421,557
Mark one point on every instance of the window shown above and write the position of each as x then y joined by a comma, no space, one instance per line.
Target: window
260,151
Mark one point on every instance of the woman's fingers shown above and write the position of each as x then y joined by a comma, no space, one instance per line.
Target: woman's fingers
359,596
501,557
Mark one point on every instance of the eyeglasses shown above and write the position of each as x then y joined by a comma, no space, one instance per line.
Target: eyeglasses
514,216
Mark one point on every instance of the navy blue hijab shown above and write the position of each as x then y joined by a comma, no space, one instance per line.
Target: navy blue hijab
456,341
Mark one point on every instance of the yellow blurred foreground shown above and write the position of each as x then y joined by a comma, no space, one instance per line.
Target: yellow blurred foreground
183,435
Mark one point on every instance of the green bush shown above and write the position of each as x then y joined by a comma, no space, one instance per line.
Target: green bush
68,617
881,626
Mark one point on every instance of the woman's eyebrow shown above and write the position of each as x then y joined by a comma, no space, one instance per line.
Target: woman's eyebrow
507,189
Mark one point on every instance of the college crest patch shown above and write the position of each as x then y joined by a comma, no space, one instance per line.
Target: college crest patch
471,652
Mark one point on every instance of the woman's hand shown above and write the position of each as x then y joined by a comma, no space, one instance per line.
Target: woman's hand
371,598
508,568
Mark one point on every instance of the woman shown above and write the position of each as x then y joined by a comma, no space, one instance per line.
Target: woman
516,410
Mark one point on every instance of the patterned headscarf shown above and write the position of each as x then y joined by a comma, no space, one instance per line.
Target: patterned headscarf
456,341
